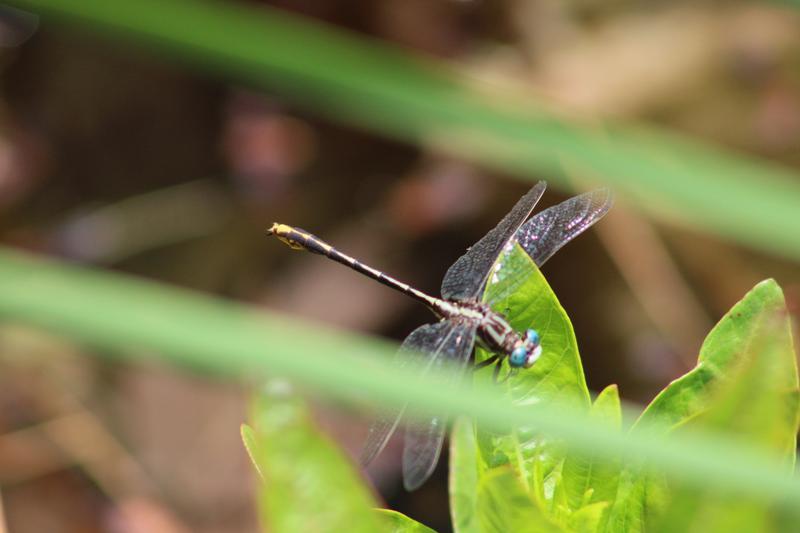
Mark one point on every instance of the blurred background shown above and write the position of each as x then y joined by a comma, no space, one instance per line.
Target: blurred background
116,156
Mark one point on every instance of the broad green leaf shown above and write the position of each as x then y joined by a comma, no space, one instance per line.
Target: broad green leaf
556,378
588,480
745,384
394,522
464,472
307,483
720,353
757,402
558,375
504,505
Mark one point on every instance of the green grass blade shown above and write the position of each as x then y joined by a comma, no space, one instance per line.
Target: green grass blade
365,82
127,316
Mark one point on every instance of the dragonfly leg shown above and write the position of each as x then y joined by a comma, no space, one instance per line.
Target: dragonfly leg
511,373
496,372
486,362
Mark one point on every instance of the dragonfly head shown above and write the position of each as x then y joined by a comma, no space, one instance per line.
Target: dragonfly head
527,351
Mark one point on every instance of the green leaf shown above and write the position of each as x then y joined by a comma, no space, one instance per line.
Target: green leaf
394,522
588,519
745,385
641,494
721,352
692,510
556,378
254,449
307,483
464,472
558,375
755,402
587,479
504,505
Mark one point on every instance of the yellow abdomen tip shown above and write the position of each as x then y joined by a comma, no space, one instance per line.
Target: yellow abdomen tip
278,229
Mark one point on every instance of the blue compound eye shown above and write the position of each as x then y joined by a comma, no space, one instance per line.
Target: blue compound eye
518,356
533,336
533,357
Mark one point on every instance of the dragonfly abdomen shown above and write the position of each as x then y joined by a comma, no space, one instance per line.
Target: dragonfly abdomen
299,239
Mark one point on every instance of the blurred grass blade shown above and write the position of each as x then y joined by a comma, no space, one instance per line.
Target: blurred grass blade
362,81
121,314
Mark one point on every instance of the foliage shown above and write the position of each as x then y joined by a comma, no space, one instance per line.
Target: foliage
554,472
745,386
307,484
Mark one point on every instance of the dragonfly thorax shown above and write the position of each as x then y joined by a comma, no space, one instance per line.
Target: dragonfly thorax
496,334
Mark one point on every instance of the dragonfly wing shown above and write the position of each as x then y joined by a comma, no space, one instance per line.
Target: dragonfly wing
423,445
545,234
379,434
465,279
423,438
431,340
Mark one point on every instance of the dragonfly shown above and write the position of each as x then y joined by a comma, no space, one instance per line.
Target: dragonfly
464,319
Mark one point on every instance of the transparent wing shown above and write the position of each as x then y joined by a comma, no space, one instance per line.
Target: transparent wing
548,231
423,437
432,340
545,234
465,279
